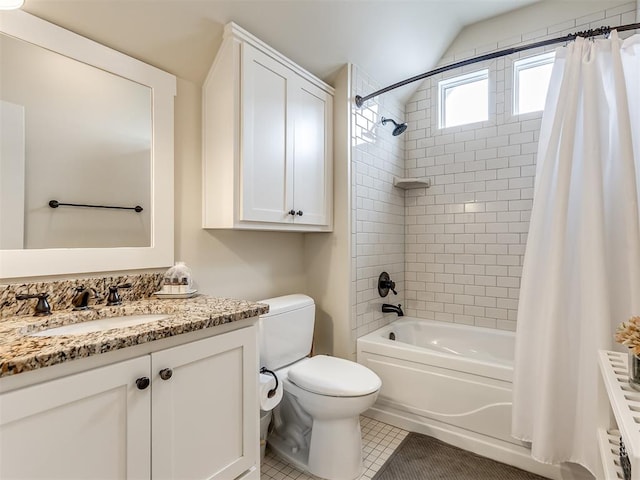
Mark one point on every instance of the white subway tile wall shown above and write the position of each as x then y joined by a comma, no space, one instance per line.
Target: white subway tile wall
378,208
465,236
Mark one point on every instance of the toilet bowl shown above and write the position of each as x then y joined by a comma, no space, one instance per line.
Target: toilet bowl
316,426
319,430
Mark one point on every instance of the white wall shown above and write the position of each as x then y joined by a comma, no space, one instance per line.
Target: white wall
553,17
241,264
466,235
328,255
377,224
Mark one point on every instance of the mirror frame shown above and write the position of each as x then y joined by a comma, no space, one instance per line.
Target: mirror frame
56,261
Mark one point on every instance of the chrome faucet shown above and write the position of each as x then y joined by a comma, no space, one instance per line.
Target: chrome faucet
388,308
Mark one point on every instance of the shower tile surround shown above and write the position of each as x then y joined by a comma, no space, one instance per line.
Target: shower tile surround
465,236
378,211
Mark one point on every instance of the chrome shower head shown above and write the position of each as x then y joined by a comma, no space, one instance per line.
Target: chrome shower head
399,127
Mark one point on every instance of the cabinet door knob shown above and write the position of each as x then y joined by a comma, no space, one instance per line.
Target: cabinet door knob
292,212
299,213
142,383
166,373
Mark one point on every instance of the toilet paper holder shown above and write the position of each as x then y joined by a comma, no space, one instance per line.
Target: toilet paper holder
271,392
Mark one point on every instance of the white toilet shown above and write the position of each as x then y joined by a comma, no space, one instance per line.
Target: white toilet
317,424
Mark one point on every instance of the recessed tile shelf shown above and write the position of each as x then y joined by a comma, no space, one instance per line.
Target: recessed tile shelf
407,183
625,403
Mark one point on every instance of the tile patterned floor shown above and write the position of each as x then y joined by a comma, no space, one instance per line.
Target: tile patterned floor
379,440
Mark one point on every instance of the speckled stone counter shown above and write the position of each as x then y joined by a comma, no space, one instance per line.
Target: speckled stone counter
20,352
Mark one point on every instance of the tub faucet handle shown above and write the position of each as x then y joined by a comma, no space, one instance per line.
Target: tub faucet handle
385,284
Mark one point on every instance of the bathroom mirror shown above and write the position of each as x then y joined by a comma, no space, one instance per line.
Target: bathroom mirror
82,127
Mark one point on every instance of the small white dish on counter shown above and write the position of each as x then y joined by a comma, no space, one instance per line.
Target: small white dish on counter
189,294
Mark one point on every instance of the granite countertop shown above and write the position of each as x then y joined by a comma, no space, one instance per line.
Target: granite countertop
20,352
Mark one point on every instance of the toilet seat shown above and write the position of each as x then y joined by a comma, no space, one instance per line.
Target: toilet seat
334,377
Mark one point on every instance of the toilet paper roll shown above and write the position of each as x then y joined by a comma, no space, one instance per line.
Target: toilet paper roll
268,383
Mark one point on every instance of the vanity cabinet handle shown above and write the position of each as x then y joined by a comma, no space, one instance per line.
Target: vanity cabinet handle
299,213
166,373
292,212
142,383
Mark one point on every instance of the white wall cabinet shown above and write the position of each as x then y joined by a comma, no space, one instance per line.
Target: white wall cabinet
200,421
267,141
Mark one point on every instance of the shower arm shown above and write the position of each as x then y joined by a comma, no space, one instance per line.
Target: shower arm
359,100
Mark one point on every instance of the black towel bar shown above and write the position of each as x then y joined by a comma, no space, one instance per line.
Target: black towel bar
56,204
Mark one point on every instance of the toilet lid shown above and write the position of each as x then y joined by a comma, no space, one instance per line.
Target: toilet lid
334,377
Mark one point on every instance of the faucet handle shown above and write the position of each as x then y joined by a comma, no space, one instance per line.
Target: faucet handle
385,284
42,307
114,296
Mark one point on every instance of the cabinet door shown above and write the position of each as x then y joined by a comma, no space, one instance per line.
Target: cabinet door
205,417
312,153
266,175
94,424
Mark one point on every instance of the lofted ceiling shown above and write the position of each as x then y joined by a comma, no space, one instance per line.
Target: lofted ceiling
390,39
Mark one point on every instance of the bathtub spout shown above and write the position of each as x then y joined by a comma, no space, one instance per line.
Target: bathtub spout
388,308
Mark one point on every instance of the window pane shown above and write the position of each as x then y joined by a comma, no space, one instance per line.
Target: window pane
466,103
532,84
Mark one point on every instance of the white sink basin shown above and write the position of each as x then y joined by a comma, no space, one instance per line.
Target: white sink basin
92,326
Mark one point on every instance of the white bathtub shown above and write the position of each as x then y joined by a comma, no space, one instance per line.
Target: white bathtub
450,381
481,351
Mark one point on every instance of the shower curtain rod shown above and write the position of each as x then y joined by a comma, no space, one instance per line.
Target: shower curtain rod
500,53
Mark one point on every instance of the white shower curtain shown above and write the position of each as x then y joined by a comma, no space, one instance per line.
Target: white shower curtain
581,273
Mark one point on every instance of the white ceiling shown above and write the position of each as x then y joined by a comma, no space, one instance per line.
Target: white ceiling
390,39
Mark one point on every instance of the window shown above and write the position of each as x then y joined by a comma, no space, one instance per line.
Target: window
531,81
464,99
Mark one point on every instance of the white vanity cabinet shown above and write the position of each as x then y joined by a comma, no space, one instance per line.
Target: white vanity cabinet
204,421
267,141
196,417
90,425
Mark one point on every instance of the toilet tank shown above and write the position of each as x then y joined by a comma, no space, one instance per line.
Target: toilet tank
285,333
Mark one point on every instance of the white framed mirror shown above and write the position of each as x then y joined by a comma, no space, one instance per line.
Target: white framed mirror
86,154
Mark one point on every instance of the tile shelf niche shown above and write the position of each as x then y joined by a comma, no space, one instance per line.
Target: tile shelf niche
408,183
625,404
